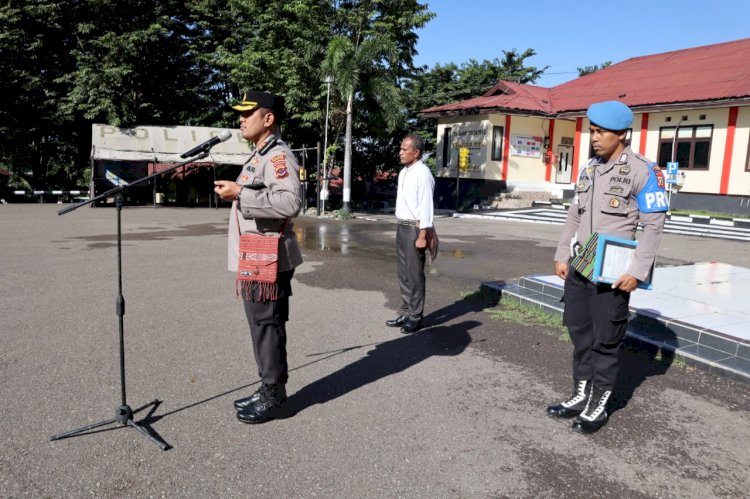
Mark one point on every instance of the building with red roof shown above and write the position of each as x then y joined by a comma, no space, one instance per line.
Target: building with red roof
526,137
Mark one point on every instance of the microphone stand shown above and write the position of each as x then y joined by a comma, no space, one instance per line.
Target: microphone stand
123,414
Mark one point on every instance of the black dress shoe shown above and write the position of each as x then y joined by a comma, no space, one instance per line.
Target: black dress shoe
411,326
248,401
270,405
398,321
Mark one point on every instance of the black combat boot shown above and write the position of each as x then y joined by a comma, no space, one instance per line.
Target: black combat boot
248,401
268,406
575,404
594,416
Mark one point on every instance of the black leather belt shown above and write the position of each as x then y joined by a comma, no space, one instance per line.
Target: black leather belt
403,221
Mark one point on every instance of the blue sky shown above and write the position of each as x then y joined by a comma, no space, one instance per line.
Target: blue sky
569,34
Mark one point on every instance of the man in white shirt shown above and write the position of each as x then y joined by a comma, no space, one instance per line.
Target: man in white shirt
414,211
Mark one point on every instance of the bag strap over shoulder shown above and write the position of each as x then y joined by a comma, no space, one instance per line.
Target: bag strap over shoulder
239,230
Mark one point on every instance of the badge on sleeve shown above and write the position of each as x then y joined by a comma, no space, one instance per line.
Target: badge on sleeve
652,197
279,166
659,176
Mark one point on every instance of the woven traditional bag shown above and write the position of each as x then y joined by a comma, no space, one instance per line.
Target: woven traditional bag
258,266
585,255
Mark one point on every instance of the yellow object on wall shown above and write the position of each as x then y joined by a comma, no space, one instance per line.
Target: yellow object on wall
463,159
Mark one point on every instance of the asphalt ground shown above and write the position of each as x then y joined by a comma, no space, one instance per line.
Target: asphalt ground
456,410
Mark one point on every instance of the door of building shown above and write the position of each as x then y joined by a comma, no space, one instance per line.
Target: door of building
564,164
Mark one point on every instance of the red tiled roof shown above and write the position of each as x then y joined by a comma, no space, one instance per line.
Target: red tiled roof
707,73
504,95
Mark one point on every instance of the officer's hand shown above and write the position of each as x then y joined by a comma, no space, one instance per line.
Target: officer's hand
227,190
561,269
626,283
421,243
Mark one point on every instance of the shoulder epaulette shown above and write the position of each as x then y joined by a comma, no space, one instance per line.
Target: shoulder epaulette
268,145
644,159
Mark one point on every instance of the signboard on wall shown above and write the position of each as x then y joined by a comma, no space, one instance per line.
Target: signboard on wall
527,146
151,144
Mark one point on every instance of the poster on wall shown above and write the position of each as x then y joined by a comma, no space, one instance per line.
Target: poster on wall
526,145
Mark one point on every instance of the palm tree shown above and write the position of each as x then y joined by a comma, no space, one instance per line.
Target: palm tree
362,63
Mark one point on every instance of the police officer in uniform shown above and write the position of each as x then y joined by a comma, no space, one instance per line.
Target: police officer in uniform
265,197
617,191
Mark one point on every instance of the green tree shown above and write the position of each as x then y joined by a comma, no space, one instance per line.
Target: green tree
586,70
37,139
134,64
367,60
452,83
270,47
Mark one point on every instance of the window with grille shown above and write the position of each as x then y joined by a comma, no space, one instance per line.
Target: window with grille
692,145
446,147
497,143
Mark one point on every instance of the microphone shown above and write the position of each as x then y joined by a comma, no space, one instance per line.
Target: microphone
222,137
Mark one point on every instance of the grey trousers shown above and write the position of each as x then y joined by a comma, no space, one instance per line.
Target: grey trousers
410,271
267,320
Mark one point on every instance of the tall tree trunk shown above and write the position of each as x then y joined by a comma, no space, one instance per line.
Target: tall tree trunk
347,194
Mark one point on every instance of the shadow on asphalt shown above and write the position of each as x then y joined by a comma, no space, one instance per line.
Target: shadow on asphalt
469,304
638,362
387,358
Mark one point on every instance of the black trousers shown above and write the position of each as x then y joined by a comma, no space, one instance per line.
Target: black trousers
267,320
597,317
411,278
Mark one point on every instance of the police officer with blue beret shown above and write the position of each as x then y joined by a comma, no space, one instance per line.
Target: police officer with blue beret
616,192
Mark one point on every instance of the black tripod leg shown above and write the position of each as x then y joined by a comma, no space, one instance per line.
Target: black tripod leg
125,418
133,424
82,429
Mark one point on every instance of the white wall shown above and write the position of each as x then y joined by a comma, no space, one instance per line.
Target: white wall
475,132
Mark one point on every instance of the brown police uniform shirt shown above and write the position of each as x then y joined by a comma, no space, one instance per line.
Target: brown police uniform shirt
606,202
265,210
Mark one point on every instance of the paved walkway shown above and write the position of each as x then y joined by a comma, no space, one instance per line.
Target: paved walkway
737,230
698,311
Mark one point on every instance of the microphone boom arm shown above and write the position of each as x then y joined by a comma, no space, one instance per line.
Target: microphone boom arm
120,188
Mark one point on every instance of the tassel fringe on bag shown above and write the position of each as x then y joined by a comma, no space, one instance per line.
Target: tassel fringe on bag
258,266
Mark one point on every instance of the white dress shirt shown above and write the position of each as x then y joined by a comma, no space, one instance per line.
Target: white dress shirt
415,191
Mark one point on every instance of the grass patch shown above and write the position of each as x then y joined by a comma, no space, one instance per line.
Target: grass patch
470,295
516,313
343,214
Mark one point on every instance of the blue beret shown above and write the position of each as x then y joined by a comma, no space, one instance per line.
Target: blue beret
611,114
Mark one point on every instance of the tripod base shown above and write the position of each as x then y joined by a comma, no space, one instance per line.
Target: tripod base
124,416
